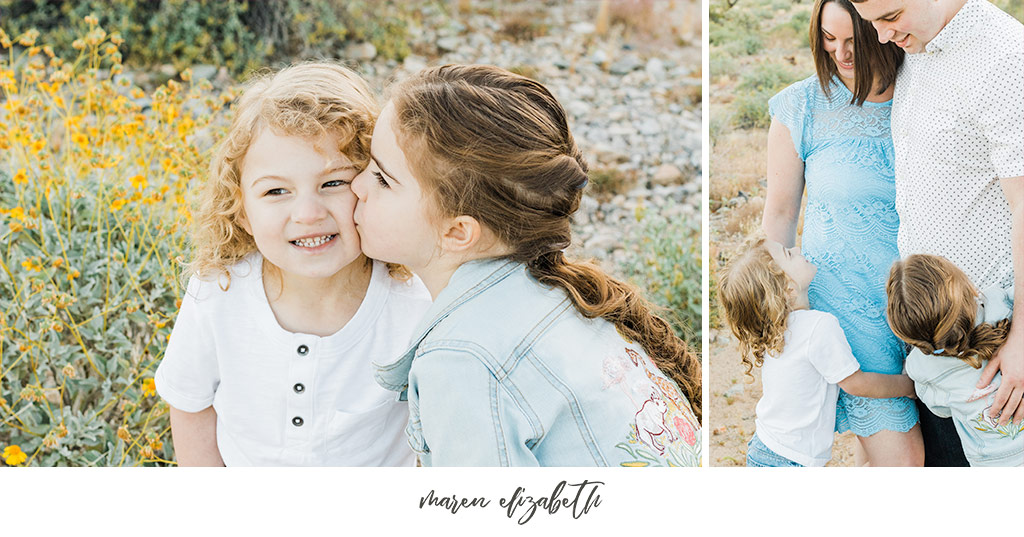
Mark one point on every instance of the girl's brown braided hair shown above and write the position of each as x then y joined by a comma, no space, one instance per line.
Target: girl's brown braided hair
932,307
496,146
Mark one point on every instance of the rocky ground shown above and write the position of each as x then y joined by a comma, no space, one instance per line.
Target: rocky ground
633,98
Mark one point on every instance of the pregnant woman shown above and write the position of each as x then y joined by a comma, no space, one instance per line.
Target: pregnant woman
830,135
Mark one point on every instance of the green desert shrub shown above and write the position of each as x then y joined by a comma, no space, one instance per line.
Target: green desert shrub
240,35
665,261
750,106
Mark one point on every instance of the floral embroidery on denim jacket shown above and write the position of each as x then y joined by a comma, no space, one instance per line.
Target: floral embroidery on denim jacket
504,371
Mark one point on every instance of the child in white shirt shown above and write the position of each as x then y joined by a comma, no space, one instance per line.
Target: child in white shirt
269,362
763,293
955,330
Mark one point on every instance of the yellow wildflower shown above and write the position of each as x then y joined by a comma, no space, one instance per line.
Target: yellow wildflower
146,452
17,213
13,455
32,264
72,274
139,182
28,38
123,434
20,177
149,387
117,204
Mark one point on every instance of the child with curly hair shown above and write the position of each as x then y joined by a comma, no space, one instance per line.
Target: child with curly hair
269,361
803,355
955,330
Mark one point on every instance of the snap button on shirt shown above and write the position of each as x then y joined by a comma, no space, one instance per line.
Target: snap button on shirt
303,350
297,421
299,388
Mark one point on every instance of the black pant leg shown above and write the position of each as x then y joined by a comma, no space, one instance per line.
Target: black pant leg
941,443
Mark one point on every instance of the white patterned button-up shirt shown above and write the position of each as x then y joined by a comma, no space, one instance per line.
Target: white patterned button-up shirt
957,128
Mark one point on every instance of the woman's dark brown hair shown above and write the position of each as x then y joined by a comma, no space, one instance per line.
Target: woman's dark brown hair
871,59
932,307
496,146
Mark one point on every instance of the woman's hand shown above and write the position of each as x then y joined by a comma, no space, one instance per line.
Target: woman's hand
1009,361
785,187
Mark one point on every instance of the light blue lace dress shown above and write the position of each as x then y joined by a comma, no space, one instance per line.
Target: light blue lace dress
849,233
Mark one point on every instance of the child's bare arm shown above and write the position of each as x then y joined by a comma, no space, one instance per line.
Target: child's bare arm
864,384
195,437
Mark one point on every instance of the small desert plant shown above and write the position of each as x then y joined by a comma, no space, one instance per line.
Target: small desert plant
665,262
604,183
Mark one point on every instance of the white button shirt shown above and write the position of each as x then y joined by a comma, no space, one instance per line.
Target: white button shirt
291,399
957,128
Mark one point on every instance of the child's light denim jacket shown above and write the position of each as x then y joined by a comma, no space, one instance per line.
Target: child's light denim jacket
947,386
504,371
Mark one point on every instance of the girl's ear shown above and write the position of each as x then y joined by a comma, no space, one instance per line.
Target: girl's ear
461,234
244,222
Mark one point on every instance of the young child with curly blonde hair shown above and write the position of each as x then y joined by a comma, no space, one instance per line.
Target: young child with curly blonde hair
803,355
269,362
955,330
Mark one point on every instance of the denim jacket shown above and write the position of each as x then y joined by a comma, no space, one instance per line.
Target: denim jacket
947,386
504,371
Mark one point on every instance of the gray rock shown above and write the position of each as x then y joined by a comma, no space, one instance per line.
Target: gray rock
734,390
449,44
414,64
360,52
582,28
667,174
655,69
578,108
649,126
625,65
605,241
203,71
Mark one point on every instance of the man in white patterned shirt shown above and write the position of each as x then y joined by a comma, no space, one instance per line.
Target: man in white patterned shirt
958,134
